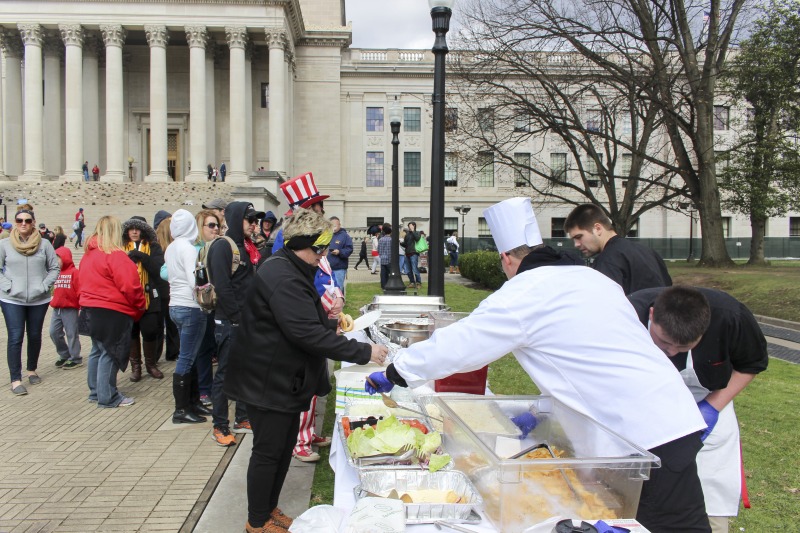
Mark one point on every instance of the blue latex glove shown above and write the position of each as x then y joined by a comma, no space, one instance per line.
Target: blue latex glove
602,527
526,422
710,415
382,383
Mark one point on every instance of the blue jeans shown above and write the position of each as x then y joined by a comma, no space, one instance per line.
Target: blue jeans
412,268
225,335
101,377
208,346
402,265
453,259
191,322
340,275
19,319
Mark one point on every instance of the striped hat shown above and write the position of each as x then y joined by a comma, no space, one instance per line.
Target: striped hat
301,191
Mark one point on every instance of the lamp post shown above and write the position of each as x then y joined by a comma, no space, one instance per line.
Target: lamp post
395,285
130,167
463,210
440,14
690,207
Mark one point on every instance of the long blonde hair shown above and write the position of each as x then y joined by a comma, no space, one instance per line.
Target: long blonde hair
108,233
163,235
200,218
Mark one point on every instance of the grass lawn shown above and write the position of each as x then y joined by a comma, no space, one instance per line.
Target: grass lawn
768,410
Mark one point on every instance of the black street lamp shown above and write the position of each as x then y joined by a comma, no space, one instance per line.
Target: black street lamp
440,13
690,206
395,285
463,210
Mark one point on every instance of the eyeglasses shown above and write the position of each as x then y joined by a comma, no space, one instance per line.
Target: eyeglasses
24,220
212,225
252,220
319,250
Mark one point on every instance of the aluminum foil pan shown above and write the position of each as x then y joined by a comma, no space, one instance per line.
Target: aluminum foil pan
382,482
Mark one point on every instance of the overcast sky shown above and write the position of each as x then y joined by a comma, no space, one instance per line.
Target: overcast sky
390,23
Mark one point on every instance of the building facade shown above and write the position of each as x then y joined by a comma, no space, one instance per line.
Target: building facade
158,91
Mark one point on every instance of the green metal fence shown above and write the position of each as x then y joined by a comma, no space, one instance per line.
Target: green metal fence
672,248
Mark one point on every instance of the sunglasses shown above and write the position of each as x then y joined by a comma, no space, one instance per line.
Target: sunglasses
252,220
212,225
24,220
319,250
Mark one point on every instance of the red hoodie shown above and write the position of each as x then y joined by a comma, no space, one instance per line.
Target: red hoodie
110,281
67,288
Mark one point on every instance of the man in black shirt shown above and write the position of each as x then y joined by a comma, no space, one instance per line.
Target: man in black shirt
633,266
717,345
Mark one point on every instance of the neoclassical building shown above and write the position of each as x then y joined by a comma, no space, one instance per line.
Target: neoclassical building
156,91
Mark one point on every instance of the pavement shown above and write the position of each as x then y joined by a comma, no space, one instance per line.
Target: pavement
71,466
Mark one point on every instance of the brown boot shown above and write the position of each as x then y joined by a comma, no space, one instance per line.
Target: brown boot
149,348
136,359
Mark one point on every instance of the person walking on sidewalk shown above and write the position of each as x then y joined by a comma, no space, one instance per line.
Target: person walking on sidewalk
452,247
28,269
339,252
412,256
362,254
80,220
64,319
376,258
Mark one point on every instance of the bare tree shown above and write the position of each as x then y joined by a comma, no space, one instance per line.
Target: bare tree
664,56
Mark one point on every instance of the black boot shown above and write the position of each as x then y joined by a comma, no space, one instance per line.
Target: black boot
180,390
194,395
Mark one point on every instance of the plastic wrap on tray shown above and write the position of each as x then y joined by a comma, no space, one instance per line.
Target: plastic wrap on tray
404,481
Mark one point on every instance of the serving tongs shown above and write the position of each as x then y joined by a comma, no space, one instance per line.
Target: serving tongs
552,455
388,402
403,454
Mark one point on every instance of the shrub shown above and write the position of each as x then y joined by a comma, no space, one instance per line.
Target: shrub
483,268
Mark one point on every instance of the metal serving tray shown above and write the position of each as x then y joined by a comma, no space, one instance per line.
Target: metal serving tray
383,481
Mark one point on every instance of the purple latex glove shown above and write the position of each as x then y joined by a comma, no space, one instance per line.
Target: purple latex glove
710,415
526,422
382,383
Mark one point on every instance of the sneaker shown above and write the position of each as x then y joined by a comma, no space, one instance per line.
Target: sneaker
127,401
223,437
71,364
278,518
268,527
61,362
205,399
322,442
306,456
242,427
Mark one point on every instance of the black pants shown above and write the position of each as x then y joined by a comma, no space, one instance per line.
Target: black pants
274,437
148,326
672,499
362,258
225,336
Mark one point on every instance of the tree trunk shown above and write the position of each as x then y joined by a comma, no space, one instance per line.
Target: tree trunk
758,226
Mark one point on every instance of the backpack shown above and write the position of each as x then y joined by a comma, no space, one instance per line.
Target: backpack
205,295
450,246
421,245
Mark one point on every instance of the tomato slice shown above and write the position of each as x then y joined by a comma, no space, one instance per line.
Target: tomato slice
346,426
417,424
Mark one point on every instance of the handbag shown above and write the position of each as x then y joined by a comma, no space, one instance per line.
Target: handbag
421,245
84,326
77,225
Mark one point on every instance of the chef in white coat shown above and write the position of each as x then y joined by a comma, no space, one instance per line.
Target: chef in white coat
577,336
716,344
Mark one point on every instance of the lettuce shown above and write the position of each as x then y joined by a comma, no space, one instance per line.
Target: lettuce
431,442
389,436
437,462
359,443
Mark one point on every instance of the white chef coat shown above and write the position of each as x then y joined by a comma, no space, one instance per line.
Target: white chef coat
574,332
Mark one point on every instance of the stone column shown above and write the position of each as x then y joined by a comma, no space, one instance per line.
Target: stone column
34,155
72,35
248,72
211,106
158,37
276,38
12,102
237,38
53,143
2,127
197,36
116,160
92,47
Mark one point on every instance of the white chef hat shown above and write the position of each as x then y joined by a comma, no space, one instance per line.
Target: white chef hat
513,224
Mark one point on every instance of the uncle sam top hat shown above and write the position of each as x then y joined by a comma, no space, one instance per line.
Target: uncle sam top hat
301,191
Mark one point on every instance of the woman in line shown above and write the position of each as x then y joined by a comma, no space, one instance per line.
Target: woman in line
113,296
161,222
60,237
140,242
28,270
181,261
278,362
265,237
208,226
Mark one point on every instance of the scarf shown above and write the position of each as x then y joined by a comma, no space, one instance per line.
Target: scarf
144,277
28,247
252,251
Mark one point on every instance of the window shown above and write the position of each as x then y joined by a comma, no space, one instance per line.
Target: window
412,173
750,118
593,120
485,169
590,165
726,226
720,160
374,221
450,169
626,125
558,166
486,119
265,96
522,173
412,119
625,165
634,231
522,124
375,169
450,225
483,228
593,183
721,117
557,228
374,119
794,226
450,119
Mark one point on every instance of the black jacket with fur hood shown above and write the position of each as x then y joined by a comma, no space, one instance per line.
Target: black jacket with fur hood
156,287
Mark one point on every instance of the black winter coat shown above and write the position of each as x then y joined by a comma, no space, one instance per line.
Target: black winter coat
278,360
